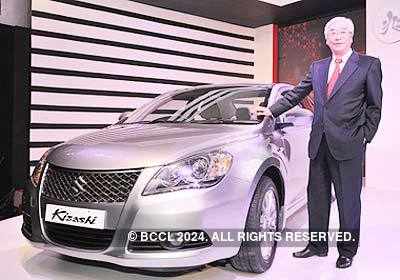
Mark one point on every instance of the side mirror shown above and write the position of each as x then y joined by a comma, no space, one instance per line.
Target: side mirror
124,116
282,125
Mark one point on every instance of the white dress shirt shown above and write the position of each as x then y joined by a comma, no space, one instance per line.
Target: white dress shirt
345,57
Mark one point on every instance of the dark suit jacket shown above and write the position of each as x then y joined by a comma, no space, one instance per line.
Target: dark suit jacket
351,113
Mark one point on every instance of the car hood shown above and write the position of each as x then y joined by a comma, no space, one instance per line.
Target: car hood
144,145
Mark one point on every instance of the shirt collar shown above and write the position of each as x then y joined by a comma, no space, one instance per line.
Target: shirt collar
345,57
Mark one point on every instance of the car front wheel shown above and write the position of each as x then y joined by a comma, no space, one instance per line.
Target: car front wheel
262,218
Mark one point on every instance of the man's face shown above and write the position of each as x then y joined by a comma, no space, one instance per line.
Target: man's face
339,39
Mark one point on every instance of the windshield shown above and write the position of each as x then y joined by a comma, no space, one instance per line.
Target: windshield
208,105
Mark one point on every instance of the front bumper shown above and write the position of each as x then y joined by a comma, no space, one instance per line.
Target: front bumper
223,206
165,259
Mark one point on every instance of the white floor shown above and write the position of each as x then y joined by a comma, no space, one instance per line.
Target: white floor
378,256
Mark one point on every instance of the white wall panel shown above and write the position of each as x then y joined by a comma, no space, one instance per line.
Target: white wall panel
264,54
75,64
132,38
46,98
73,117
57,44
135,23
144,9
99,84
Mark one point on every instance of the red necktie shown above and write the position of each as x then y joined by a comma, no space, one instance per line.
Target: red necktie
334,77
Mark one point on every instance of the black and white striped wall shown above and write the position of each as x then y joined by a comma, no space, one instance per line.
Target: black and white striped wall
94,59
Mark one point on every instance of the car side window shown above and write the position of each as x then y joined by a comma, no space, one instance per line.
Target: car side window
245,107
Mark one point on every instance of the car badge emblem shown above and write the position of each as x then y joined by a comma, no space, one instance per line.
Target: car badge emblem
78,187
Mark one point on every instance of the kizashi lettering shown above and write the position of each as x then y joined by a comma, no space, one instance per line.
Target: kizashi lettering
65,216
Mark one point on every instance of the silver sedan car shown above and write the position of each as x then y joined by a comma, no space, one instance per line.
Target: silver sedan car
153,189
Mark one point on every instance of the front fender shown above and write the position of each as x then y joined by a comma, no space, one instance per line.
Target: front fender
263,170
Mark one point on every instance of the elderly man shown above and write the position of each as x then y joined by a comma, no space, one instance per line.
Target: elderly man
348,97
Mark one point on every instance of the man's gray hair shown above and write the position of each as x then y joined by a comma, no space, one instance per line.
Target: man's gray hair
343,21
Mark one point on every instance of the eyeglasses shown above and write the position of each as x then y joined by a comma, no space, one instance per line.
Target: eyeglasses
341,33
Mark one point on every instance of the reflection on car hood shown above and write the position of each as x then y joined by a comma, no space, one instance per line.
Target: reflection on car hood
144,145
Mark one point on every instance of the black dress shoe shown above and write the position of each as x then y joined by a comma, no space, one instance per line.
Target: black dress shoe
307,252
343,262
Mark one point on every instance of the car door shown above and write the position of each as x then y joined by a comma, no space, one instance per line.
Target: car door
295,145
298,136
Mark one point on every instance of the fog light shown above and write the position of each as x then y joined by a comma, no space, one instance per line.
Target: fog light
167,240
174,241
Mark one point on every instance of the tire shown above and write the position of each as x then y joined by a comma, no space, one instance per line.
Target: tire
250,257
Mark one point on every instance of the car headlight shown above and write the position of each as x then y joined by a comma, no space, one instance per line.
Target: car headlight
196,172
37,172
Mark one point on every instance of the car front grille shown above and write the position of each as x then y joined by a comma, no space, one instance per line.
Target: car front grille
79,237
88,186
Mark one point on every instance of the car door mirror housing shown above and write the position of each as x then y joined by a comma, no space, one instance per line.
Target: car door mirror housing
281,125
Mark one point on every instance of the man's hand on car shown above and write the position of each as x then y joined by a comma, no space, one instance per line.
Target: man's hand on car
263,111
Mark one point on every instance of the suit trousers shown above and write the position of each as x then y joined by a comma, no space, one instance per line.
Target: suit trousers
346,176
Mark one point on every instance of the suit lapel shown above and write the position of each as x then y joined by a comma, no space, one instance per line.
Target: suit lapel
349,68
